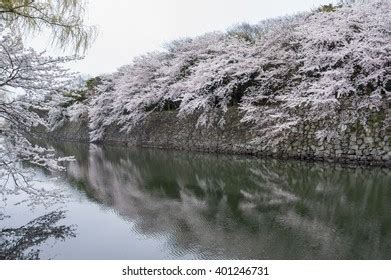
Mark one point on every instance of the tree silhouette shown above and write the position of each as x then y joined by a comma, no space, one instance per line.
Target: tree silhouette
17,243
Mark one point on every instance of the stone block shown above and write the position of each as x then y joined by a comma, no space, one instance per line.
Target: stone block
368,140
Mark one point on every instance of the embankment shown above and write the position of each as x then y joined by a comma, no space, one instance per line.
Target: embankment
354,145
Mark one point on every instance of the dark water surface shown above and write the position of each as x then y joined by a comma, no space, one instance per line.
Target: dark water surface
153,204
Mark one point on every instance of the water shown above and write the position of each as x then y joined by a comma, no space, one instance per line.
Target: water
154,204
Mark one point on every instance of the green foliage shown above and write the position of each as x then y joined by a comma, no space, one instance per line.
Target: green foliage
92,83
330,8
376,118
74,96
80,95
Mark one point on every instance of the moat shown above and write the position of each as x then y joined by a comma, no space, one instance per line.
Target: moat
153,204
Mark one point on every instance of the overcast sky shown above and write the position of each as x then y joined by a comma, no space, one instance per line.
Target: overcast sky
128,28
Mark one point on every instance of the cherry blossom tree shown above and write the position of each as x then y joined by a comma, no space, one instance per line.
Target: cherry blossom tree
25,78
332,64
328,64
28,77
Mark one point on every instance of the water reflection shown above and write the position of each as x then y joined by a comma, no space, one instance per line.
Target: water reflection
210,206
22,243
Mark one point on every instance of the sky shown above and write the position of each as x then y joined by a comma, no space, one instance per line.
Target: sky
129,28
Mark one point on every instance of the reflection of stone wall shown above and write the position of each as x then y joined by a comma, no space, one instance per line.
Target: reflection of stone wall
164,130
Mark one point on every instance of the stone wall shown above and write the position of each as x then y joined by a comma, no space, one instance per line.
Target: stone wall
72,132
164,130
